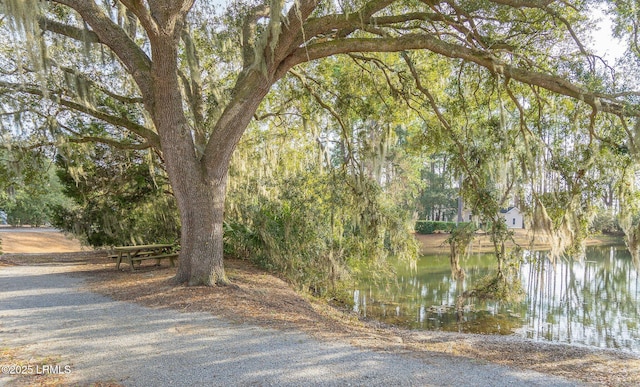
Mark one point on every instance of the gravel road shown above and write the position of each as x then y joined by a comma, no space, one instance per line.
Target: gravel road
47,312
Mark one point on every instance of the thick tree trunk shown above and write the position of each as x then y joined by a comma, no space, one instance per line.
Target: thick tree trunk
199,195
199,184
202,215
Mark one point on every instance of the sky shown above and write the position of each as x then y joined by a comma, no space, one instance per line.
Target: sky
604,43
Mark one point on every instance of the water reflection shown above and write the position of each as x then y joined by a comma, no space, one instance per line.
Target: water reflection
593,302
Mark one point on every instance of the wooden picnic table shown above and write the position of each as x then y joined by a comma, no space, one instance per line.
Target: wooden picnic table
141,252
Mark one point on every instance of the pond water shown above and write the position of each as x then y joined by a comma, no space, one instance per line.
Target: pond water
595,301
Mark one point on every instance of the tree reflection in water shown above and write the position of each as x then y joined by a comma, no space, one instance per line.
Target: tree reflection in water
593,302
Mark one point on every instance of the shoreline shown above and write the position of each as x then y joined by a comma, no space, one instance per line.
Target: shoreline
436,243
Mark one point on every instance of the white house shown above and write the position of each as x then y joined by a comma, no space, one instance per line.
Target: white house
513,217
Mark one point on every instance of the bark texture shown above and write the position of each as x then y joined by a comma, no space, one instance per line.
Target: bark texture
200,191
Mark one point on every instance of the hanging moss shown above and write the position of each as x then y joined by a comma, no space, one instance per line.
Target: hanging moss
24,16
629,215
459,242
563,221
502,286
305,211
269,38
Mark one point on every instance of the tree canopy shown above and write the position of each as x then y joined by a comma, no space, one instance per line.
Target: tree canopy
498,84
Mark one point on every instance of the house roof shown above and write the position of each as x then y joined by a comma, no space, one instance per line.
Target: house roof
507,210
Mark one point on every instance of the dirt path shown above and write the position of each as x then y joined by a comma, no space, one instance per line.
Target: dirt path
36,240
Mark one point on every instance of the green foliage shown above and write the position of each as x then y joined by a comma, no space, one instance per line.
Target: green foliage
605,222
318,232
119,198
496,287
327,193
629,216
29,189
459,242
461,236
438,197
429,227
26,209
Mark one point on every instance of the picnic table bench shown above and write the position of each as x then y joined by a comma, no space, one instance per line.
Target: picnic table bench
139,253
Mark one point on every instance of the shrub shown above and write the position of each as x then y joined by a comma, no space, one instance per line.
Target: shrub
429,227
118,200
606,223
317,231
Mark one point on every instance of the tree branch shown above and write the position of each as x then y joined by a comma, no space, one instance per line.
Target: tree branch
120,98
79,138
136,61
332,112
249,33
297,29
109,142
143,15
79,34
485,59
193,86
350,22
138,129
524,3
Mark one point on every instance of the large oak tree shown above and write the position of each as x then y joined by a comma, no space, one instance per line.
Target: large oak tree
195,130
